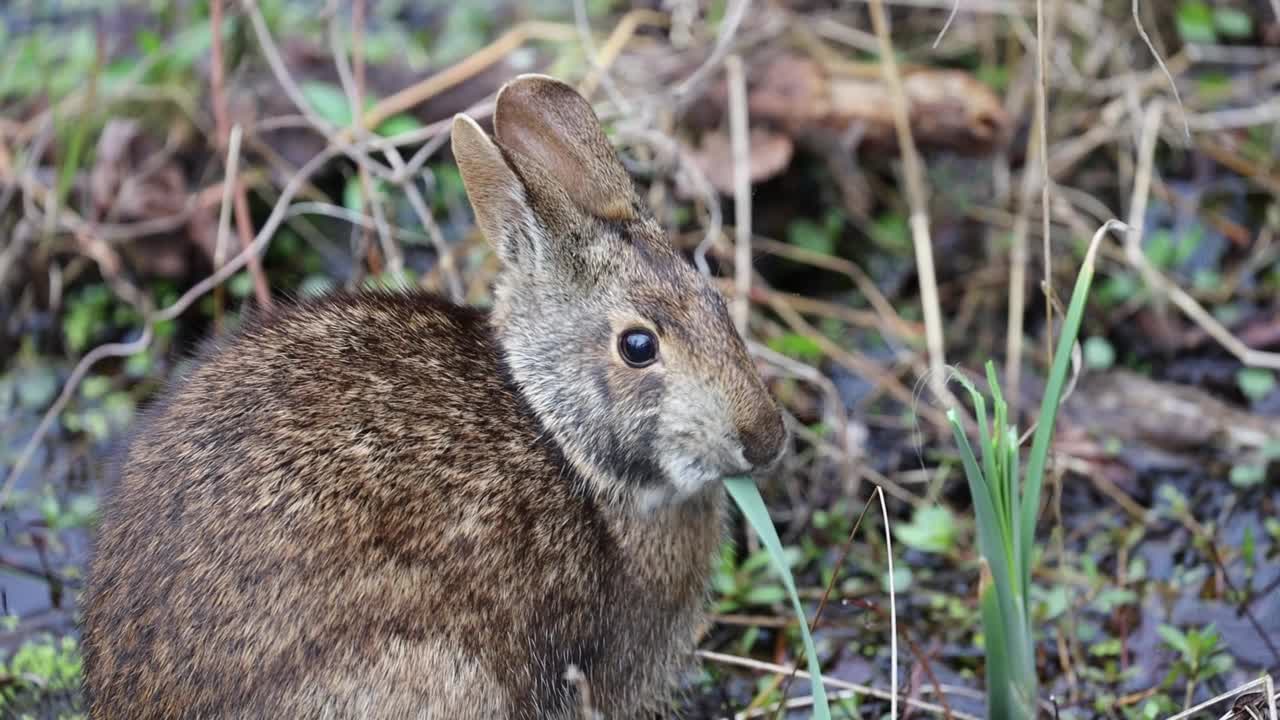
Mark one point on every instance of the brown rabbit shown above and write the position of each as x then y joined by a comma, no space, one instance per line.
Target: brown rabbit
389,506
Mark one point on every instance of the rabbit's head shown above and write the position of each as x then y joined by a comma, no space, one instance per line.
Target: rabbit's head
625,352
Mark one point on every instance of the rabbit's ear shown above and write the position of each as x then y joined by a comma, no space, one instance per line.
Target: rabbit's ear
540,119
497,195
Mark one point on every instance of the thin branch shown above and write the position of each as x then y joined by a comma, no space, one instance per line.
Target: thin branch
955,10
893,611
217,85
724,41
1142,31
452,76
761,666
100,352
600,71
1153,278
1043,40
197,291
741,148
337,137
916,198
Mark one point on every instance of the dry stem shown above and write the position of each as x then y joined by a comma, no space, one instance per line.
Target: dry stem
1153,278
918,202
741,189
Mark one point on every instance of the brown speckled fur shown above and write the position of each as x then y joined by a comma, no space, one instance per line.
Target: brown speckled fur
390,506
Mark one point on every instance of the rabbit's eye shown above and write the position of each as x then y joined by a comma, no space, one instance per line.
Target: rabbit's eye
638,347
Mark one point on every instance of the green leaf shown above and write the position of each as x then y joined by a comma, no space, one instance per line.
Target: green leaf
36,387
240,285
1098,353
315,286
932,529
1159,248
756,562
398,125
94,387
1233,22
801,347
352,196
996,76
765,595
1055,602
804,233
902,578
1117,289
747,496
1195,22
890,231
328,101
1111,598
1215,86
1256,383
1245,476
1106,648
1176,639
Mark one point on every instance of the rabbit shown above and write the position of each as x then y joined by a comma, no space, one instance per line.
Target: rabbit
386,505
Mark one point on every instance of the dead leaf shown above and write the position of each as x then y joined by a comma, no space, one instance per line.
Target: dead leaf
131,178
791,91
770,155
134,179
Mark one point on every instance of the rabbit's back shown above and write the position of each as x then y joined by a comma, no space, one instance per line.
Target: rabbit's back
348,506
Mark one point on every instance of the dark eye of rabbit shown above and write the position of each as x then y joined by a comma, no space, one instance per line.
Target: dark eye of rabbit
638,347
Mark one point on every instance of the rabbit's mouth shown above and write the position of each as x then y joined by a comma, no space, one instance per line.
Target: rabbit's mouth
690,472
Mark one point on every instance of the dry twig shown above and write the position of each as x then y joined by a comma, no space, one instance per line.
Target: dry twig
217,86
1153,278
738,128
916,198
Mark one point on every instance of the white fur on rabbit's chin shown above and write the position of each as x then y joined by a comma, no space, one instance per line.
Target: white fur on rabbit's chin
686,477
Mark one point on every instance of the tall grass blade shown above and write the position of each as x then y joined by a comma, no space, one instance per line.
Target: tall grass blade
1053,388
999,703
1006,505
747,496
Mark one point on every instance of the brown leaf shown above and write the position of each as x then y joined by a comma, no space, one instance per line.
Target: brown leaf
770,155
131,180
791,91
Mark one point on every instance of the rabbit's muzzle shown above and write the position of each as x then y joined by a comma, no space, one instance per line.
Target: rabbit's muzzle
764,439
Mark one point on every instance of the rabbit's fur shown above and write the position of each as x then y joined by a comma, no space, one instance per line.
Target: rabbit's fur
390,506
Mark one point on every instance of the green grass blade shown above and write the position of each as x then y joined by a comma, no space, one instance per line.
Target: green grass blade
1052,397
989,481
1021,552
747,496
999,680
984,430
991,541
999,476
983,505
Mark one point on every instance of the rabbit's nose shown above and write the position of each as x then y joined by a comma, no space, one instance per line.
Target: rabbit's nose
764,439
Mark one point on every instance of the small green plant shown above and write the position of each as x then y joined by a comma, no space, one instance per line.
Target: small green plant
750,582
820,237
1006,505
1200,656
45,664
932,529
1256,383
